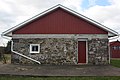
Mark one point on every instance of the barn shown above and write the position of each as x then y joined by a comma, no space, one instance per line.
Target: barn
60,36
115,49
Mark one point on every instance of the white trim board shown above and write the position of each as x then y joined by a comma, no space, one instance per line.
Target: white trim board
76,36
110,31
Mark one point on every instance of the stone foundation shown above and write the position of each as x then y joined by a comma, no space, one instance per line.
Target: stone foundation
60,51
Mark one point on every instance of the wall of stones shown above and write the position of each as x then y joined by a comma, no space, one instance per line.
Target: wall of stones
98,51
60,51
52,50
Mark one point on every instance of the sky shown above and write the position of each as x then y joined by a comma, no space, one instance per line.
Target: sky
13,12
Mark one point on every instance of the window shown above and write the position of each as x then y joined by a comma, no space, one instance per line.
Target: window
34,48
119,47
114,47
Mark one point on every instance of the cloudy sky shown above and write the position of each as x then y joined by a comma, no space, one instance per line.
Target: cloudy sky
13,12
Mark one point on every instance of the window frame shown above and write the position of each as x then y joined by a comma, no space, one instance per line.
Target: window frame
31,45
115,48
118,47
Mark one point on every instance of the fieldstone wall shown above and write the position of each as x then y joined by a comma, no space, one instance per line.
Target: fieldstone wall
60,51
52,50
98,51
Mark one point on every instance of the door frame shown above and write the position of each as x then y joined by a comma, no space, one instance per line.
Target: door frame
86,40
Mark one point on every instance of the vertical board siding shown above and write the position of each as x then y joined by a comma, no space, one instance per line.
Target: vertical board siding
115,53
82,52
59,21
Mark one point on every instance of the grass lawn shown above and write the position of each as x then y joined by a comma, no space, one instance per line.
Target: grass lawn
115,62
57,78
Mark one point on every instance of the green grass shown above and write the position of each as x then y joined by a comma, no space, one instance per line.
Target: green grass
115,62
57,78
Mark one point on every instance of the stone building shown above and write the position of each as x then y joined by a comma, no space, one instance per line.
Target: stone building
60,36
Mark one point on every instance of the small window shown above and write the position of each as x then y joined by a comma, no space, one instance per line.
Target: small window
34,48
119,47
114,47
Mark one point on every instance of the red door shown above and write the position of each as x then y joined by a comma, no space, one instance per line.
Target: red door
82,52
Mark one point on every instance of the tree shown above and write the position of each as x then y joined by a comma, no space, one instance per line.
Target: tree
8,48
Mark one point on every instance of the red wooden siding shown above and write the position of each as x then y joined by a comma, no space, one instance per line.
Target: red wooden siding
82,52
115,49
59,22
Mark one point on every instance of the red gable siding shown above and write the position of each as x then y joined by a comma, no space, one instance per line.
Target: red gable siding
59,22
